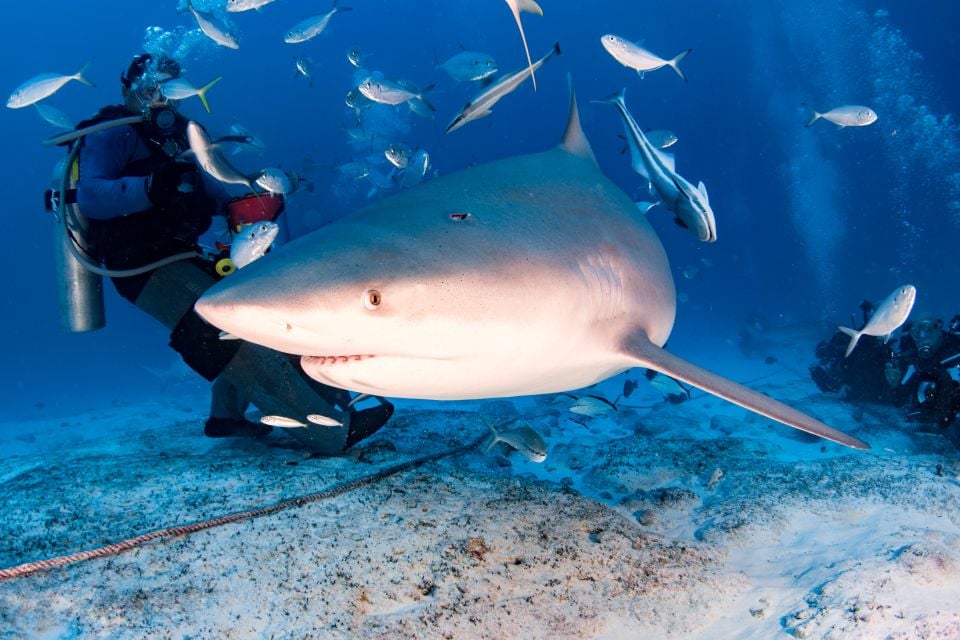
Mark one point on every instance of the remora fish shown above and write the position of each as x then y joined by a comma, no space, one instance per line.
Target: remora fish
210,159
252,242
312,27
524,439
180,89
633,56
553,273
43,86
847,116
690,204
483,102
216,32
888,317
526,6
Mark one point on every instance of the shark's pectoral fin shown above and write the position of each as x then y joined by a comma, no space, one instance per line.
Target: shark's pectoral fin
651,356
574,140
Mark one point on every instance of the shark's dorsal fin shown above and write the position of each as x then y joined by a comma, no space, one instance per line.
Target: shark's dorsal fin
574,140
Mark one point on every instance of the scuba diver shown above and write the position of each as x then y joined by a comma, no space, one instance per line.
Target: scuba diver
131,202
859,377
925,371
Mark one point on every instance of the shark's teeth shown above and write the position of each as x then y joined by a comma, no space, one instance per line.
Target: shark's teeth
328,360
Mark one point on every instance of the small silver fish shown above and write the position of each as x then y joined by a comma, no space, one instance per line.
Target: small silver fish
282,422
661,138
213,29
252,242
211,161
847,116
355,57
181,89
236,6
524,439
592,406
667,385
354,170
304,68
887,318
313,26
251,140
323,421
54,116
633,56
275,180
398,154
467,66
43,86
416,169
392,93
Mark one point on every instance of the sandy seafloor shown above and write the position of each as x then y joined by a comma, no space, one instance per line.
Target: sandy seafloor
674,521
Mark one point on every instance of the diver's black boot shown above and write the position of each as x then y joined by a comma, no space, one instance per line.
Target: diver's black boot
234,428
366,422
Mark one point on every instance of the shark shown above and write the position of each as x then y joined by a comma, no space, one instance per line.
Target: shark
527,275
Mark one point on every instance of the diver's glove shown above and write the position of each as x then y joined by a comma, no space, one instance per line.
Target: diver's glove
171,181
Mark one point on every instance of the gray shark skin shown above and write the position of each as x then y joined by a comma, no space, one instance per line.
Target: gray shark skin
533,274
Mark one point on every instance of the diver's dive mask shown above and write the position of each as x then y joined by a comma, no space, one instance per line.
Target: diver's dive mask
144,79
928,335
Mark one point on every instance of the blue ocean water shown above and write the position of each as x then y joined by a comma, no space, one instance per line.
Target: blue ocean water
810,221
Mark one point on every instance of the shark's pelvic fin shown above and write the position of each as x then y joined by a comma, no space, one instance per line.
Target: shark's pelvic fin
574,140
651,356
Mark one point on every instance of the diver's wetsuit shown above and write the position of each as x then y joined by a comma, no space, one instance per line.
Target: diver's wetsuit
940,401
126,230
858,376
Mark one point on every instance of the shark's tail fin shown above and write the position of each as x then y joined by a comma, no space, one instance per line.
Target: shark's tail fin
675,63
854,338
618,98
525,6
814,114
646,354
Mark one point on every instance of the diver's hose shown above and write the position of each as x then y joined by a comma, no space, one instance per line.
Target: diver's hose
29,568
68,214
100,126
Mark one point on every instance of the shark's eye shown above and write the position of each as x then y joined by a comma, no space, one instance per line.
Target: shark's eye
372,299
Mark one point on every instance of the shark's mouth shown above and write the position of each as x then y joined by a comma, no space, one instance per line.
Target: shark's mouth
332,360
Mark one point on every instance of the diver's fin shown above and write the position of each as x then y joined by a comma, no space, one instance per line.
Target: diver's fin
646,354
854,337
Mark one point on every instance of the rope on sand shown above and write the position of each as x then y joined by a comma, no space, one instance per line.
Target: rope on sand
30,568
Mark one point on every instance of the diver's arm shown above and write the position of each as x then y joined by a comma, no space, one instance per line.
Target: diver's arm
102,192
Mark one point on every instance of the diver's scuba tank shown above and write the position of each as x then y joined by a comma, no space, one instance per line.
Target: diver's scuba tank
79,290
